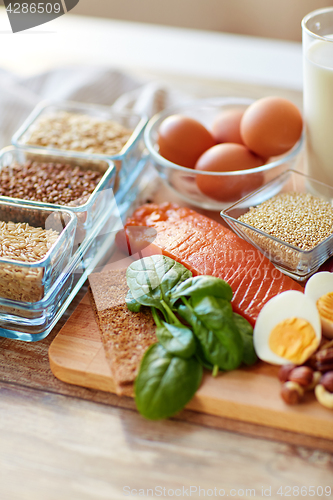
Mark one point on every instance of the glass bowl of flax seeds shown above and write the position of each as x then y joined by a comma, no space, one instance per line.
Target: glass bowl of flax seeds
290,220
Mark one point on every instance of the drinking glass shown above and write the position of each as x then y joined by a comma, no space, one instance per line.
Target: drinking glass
317,42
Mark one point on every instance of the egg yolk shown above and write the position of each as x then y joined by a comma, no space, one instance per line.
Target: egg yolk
293,339
325,309
325,306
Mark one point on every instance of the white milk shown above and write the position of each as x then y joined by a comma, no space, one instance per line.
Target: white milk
318,110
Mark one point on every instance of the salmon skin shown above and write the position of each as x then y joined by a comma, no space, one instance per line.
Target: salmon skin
206,247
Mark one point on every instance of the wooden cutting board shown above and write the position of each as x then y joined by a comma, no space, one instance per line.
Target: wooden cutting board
248,395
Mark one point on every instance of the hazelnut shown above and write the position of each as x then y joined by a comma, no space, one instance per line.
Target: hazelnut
284,372
292,393
324,359
303,375
327,381
324,367
325,355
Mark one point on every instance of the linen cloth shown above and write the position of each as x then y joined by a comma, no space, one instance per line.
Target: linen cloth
19,96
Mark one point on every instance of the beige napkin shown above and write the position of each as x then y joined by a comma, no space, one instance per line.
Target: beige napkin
19,96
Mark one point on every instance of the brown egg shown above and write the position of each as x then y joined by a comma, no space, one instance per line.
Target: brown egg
226,126
271,126
228,157
182,140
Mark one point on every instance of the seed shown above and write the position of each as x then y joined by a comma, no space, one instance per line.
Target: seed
24,243
17,244
79,132
300,219
48,188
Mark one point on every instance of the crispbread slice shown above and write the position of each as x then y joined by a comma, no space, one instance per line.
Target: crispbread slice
125,335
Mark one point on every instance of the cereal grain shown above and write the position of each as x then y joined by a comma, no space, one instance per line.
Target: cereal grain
79,132
24,243
300,219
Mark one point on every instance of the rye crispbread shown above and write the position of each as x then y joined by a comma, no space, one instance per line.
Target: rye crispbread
125,335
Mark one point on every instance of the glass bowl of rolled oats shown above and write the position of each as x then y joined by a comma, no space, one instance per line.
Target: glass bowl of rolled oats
85,129
290,220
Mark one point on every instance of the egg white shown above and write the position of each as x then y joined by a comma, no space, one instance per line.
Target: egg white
283,306
318,285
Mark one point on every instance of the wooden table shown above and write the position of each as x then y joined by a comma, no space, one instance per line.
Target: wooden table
63,441
59,441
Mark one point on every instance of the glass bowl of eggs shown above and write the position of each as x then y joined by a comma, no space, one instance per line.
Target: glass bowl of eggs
213,152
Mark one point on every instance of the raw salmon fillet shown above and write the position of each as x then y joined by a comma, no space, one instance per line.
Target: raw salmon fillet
206,247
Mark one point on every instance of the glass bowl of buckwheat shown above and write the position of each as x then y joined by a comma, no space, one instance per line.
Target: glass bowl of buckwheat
82,185
290,220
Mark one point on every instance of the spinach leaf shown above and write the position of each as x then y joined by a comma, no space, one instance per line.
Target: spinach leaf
201,286
222,347
212,311
132,304
209,344
151,279
246,332
171,370
165,383
201,358
176,339
231,341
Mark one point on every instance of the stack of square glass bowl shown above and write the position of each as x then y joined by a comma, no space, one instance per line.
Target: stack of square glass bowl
86,232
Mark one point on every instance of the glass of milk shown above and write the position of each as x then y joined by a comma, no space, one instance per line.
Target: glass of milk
317,31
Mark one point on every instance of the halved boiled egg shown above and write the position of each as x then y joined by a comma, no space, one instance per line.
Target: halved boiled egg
319,288
288,329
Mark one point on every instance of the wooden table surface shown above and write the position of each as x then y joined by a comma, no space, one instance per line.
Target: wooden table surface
59,441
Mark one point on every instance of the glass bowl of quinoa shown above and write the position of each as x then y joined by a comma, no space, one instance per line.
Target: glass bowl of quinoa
290,220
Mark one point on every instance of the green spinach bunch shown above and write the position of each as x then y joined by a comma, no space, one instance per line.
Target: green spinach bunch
196,329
